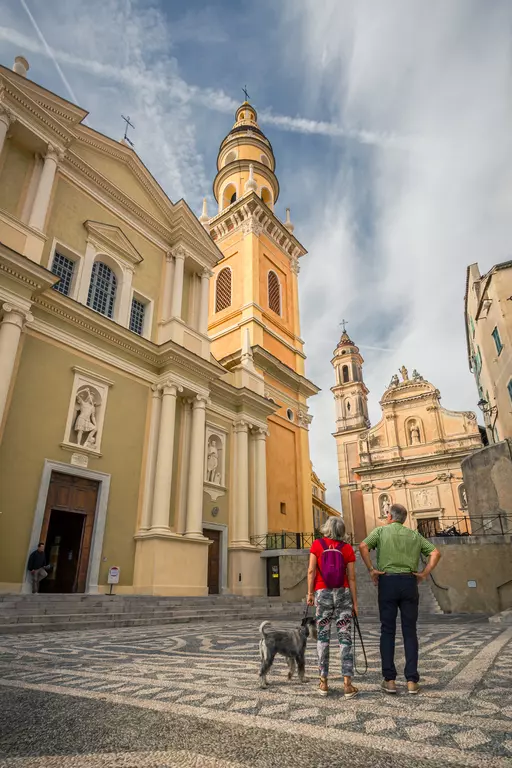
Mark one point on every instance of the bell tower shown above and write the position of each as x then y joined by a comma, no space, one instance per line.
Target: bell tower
351,401
254,310
350,392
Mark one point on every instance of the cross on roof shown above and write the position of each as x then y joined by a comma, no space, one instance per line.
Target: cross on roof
128,124
344,323
244,89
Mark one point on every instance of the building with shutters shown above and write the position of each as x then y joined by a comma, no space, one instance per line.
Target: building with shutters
151,368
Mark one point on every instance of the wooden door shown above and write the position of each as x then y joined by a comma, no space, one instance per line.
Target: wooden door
213,561
77,495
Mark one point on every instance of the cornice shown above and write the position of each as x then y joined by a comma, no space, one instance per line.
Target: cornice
280,371
434,461
248,207
50,100
25,271
31,114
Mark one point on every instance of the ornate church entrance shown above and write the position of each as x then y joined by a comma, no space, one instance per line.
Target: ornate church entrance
67,531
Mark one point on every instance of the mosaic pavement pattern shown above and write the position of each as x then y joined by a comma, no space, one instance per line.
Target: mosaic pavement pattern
188,695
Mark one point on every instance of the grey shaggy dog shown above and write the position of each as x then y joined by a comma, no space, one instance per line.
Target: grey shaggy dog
290,643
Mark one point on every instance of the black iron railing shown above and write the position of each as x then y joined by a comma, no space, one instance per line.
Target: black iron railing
287,540
474,525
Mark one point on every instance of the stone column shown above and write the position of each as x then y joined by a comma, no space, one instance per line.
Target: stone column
163,469
154,428
203,306
260,483
44,189
241,516
6,118
11,326
168,280
196,469
186,422
177,288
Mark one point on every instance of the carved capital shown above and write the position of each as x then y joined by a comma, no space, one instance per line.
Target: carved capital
391,417
399,483
179,252
54,153
168,256
252,225
295,266
169,387
200,401
7,116
260,433
304,419
15,315
206,274
241,426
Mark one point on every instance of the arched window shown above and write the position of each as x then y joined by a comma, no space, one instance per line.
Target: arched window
230,157
274,293
345,375
228,196
102,289
223,289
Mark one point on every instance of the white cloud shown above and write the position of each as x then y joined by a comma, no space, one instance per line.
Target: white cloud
439,72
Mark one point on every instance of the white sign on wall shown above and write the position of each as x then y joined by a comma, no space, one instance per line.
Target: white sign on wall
113,575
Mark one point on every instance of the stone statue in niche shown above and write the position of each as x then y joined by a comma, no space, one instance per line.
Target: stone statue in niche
212,461
85,422
463,497
385,506
414,433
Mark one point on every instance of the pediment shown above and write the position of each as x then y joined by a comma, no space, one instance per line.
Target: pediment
113,238
122,167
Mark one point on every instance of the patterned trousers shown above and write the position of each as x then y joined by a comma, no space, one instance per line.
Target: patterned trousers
334,604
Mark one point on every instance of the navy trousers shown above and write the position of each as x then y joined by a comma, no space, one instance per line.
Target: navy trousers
399,591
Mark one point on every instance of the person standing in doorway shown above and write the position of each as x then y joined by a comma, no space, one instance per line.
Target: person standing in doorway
397,577
36,567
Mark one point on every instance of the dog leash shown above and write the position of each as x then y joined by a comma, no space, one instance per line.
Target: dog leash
358,628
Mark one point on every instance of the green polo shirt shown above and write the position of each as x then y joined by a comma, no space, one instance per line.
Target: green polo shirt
398,548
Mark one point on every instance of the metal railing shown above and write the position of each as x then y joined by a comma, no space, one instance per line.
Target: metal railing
474,525
288,540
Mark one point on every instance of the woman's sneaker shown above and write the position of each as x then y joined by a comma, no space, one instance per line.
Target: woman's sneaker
323,687
413,688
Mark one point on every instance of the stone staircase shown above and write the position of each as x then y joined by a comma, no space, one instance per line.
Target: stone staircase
367,594
50,613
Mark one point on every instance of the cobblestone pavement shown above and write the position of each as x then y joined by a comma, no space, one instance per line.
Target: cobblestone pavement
184,695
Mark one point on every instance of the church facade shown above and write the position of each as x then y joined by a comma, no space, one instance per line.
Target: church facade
136,430
412,456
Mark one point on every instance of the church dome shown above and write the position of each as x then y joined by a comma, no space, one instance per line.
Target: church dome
245,145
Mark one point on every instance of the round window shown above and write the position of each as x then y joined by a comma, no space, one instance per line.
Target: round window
289,413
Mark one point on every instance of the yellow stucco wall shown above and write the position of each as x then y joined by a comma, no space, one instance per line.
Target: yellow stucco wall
16,164
35,428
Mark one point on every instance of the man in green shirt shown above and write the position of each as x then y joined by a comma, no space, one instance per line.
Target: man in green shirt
398,552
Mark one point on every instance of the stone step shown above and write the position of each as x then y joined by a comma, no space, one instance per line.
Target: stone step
42,607
93,623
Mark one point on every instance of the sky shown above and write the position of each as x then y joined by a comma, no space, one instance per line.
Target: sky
391,126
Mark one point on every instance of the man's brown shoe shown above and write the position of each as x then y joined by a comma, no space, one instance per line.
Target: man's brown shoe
324,688
388,686
413,688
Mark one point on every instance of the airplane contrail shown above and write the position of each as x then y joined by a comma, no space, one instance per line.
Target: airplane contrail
49,52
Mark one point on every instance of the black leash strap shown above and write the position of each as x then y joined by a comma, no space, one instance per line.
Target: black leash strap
356,626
